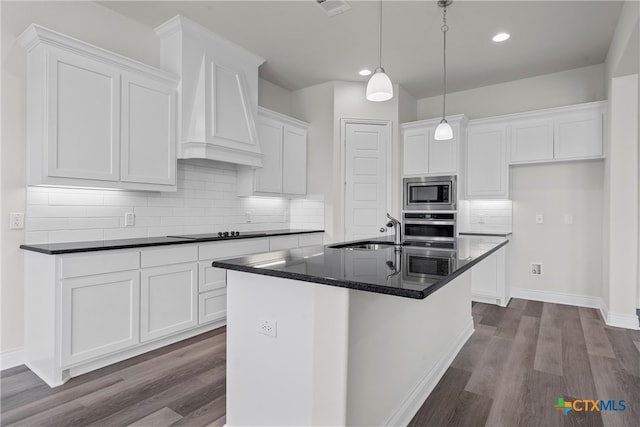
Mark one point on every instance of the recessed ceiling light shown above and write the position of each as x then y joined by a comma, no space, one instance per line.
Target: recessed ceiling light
500,37
365,72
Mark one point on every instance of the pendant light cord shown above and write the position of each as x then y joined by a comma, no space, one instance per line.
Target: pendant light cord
444,29
380,38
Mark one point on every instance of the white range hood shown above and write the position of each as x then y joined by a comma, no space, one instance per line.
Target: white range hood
217,96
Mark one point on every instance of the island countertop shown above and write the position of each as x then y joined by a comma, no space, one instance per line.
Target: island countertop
411,272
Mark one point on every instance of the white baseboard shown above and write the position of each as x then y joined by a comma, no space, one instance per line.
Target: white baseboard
556,297
627,321
11,358
414,400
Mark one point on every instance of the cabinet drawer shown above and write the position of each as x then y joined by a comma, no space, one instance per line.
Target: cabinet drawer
213,306
211,278
310,239
280,243
230,249
170,255
98,263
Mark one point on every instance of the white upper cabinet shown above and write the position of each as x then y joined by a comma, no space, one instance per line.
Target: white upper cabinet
284,146
95,118
423,155
487,171
558,134
218,93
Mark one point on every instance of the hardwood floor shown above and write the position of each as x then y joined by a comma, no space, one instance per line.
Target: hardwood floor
511,372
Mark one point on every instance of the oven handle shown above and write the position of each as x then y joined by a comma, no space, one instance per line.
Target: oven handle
430,222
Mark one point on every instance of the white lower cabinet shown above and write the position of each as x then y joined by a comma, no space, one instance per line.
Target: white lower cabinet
169,300
489,279
87,310
100,315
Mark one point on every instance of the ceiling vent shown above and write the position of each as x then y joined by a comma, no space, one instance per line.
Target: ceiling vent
333,7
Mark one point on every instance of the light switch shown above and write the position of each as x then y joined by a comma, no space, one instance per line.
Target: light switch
539,219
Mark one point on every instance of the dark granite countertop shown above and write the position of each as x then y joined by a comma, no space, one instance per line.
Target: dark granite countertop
385,271
105,245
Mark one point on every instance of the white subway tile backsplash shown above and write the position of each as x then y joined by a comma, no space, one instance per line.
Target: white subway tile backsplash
205,202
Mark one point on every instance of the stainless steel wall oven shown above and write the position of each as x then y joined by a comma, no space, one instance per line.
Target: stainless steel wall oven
423,226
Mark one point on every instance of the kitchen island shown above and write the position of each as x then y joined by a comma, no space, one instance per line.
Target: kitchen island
331,336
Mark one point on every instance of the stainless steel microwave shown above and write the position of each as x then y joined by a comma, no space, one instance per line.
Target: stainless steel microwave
430,193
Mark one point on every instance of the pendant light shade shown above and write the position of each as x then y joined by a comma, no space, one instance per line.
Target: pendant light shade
444,131
379,87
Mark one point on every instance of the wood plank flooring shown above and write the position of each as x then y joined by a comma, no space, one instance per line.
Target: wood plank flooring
511,372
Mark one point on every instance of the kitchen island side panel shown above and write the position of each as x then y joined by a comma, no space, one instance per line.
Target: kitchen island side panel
298,376
400,347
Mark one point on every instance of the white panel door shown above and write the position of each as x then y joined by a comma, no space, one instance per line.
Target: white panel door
487,169
83,117
100,315
365,179
148,131
168,300
579,136
268,178
416,152
294,153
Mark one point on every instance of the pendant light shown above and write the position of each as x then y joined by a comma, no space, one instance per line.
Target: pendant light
379,87
444,131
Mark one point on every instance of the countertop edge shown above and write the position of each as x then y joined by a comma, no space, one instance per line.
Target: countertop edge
407,293
43,250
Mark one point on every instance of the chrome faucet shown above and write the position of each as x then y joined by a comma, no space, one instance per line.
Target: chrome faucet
397,227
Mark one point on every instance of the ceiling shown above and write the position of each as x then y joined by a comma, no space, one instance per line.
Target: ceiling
305,47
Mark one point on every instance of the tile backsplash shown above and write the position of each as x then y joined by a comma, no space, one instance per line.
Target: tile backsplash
485,216
205,202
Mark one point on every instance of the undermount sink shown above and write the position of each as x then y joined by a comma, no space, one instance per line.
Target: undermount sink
363,246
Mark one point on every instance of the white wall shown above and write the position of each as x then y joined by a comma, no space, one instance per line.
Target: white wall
550,90
571,254
274,97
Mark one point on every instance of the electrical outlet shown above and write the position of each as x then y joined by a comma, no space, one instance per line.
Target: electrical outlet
568,219
267,327
539,219
16,221
247,217
536,269
129,219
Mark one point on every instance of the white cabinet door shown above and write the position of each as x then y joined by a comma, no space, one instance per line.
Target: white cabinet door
148,131
487,169
83,118
100,315
531,141
213,306
443,155
268,178
294,159
169,300
416,151
579,136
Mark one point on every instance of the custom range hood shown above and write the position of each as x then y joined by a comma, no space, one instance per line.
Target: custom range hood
217,95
